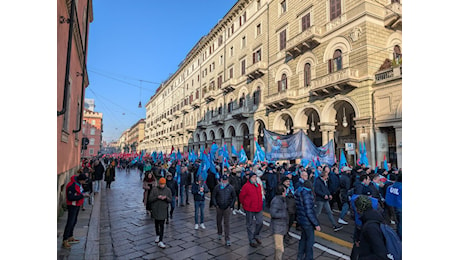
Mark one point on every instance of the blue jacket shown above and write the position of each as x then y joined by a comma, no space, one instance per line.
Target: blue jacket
321,189
305,204
394,195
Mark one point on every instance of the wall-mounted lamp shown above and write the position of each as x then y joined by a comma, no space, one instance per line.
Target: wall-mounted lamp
312,128
344,123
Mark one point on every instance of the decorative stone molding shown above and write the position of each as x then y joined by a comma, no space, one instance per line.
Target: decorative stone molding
355,33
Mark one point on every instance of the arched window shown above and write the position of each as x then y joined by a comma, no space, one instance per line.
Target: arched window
397,55
242,100
307,74
256,96
282,84
335,64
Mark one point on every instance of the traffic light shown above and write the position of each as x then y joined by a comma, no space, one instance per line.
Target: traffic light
84,143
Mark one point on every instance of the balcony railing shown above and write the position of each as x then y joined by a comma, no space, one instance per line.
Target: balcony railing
335,82
281,99
304,41
388,74
256,70
393,16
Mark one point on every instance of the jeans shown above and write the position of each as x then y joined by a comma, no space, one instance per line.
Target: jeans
97,185
306,242
199,205
345,208
225,214
325,204
250,225
183,191
160,228
398,213
72,215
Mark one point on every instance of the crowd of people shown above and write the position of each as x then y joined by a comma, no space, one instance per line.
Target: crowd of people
294,196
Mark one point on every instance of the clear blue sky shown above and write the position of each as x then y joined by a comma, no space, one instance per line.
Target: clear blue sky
134,46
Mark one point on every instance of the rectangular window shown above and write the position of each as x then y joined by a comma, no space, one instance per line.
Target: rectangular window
231,51
243,67
258,29
283,39
197,95
306,22
230,73
65,121
91,141
243,42
93,122
220,40
92,131
335,8
219,82
283,6
91,151
257,56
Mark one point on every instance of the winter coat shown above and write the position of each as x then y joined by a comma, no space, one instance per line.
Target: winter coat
345,185
321,189
251,197
224,197
197,195
361,189
394,195
372,242
305,203
74,192
235,181
98,173
172,185
159,206
147,186
109,174
279,215
333,183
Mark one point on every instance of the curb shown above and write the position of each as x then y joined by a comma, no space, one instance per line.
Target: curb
92,240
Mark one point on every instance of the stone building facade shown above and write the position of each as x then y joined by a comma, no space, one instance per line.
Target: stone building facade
329,68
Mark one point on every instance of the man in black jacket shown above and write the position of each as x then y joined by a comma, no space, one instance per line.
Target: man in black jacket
323,196
98,174
223,197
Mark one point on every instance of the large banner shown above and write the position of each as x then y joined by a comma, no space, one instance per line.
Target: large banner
296,146
282,147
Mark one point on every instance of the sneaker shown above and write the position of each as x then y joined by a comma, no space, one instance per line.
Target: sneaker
66,244
72,240
228,243
219,237
196,226
253,244
157,239
202,226
258,241
161,245
393,222
337,228
336,211
240,211
341,221
234,212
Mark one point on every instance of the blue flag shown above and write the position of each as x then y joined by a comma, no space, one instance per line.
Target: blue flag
212,152
385,164
259,155
177,177
154,156
234,152
179,156
204,166
363,155
160,157
343,160
243,158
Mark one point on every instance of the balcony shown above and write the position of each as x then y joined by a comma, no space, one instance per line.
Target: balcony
196,104
336,82
218,120
177,113
229,86
388,74
164,120
393,16
189,128
202,124
304,41
240,113
180,131
280,100
186,109
256,70
210,96
170,117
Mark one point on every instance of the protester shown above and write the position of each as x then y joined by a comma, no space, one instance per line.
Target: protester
160,197
185,180
109,175
394,199
344,187
199,189
147,184
371,241
279,220
235,181
333,184
87,188
290,202
98,175
251,198
224,197
172,185
74,199
306,217
323,196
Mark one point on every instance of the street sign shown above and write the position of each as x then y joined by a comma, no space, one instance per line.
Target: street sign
349,146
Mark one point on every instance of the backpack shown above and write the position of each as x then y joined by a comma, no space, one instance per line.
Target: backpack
392,241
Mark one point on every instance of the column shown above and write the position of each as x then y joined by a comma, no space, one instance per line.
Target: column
252,146
398,130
